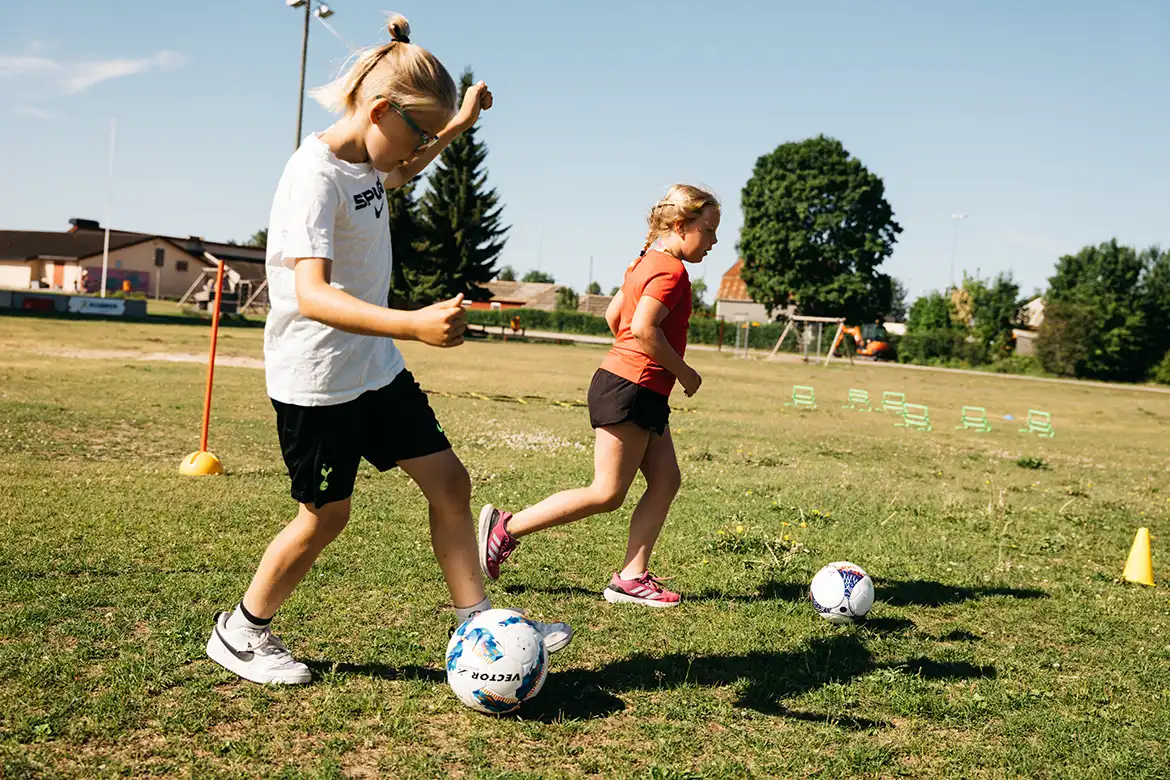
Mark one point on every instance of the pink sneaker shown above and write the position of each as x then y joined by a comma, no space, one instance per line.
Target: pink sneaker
495,543
646,590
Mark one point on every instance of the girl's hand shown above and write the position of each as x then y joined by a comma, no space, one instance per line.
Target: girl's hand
477,98
690,380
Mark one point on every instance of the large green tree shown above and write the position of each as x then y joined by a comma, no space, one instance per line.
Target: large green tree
816,228
1099,296
461,227
414,282
994,309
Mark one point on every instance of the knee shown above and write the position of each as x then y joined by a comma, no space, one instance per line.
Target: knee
608,497
665,481
456,493
322,524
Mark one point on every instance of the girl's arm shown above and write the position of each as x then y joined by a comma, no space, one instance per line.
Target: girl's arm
647,329
441,324
613,313
478,98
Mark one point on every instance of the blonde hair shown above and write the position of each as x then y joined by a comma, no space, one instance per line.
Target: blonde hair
683,203
400,71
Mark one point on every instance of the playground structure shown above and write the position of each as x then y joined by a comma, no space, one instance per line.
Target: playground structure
805,327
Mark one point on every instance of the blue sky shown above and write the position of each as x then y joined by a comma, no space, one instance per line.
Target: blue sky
1048,123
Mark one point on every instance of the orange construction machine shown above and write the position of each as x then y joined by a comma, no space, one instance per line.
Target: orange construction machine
872,340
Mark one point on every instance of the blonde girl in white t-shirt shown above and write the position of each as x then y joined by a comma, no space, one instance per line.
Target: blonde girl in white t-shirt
339,385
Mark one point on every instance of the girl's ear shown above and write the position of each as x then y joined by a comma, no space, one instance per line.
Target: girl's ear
378,111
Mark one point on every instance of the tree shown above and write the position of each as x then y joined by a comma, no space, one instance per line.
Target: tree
898,295
994,307
1156,307
506,274
538,276
617,289
258,240
1066,336
414,282
698,291
593,289
932,311
1099,295
816,228
567,300
462,233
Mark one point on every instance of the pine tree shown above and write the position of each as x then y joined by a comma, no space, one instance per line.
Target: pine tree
460,222
409,287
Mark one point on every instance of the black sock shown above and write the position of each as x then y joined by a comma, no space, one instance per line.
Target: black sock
258,622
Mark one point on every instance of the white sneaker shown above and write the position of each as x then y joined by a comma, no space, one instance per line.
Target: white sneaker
254,654
556,635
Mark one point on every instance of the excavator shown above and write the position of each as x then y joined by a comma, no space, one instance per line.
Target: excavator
871,340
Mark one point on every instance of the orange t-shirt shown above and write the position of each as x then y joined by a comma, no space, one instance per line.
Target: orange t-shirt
664,278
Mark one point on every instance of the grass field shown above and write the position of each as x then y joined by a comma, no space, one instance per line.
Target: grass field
1000,645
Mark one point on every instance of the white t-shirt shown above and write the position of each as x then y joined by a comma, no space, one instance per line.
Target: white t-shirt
326,207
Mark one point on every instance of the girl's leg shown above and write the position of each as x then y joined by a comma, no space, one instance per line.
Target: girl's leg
660,467
290,555
618,451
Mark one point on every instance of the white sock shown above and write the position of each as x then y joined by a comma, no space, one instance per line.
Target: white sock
239,620
463,613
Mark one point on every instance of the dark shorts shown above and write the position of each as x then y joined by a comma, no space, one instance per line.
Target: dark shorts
613,400
323,445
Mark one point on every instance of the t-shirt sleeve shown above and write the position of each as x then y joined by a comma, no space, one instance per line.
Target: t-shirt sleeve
666,286
312,211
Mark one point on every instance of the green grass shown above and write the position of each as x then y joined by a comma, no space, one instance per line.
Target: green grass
1000,645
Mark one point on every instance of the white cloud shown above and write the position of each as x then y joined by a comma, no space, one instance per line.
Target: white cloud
34,112
87,74
27,65
74,77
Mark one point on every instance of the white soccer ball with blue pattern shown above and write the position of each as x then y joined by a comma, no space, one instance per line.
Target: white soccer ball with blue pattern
841,592
496,661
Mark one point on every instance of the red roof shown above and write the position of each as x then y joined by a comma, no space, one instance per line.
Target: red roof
732,287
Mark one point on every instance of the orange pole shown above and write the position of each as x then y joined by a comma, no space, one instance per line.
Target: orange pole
211,360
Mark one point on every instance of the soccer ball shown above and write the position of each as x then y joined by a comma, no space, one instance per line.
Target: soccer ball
841,592
496,661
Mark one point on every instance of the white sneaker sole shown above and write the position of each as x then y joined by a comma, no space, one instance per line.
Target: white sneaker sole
558,640
614,597
224,657
485,515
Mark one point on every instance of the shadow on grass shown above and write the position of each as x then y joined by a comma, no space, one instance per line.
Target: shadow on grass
897,593
764,679
323,668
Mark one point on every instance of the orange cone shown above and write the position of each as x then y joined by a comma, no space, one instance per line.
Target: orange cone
1139,567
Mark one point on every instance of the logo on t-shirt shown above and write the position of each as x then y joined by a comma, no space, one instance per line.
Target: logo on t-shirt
375,195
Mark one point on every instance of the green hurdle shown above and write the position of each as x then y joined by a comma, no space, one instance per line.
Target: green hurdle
916,417
894,402
1039,423
859,400
973,418
803,396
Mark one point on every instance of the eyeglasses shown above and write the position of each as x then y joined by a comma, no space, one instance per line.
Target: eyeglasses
425,138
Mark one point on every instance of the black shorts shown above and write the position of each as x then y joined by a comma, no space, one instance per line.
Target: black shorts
613,400
323,445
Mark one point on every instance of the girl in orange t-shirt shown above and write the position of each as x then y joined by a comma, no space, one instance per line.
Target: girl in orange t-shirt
628,402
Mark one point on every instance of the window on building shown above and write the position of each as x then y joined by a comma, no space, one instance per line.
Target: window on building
180,265
160,257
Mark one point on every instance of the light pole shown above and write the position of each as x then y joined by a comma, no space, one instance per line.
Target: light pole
955,245
321,11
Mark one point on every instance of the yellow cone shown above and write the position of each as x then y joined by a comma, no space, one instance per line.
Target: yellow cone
202,464
1140,567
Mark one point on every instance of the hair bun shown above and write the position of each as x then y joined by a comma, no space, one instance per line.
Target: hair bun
399,28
